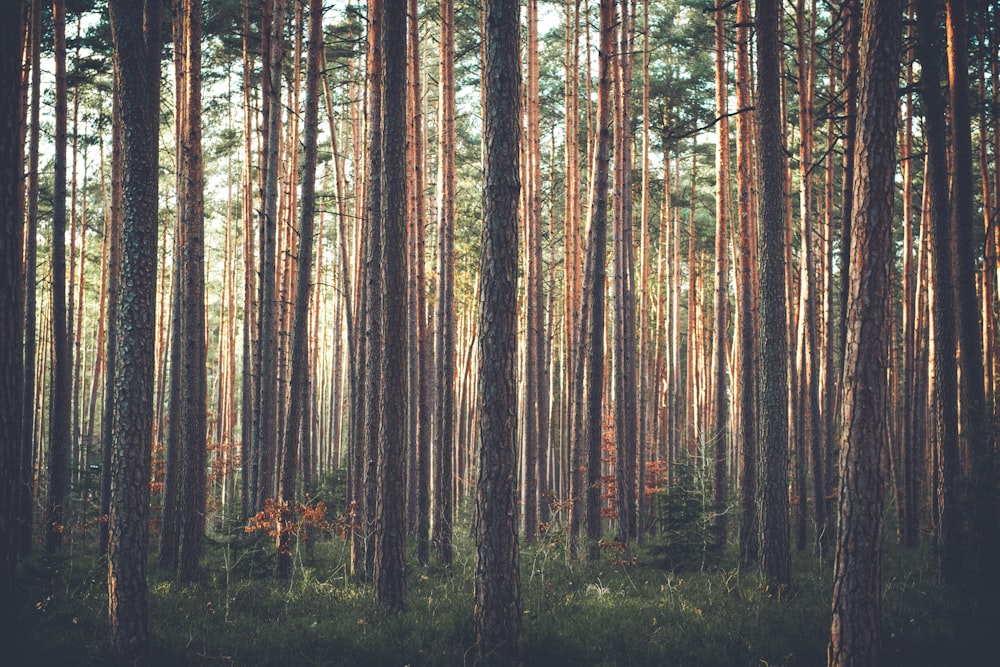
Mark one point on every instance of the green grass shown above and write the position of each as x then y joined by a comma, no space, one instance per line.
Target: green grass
574,614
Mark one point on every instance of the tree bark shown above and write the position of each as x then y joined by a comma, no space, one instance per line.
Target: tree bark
135,31
193,387
625,379
390,531
944,326
444,340
299,381
747,331
60,409
772,497
25,471
720,343
498,586
865,416
12,378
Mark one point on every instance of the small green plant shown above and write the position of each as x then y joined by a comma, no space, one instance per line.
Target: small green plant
683,515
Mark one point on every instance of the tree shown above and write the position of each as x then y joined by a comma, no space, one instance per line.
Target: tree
444,340
720,344
267,390
625,380
60,410
747,326
371,307
772,489
136,38
854,635
295,423
974,413
943,314
498,583
193,407
588,372
11,296
25,482
390,531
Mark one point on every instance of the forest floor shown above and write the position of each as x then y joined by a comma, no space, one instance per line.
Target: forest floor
670,605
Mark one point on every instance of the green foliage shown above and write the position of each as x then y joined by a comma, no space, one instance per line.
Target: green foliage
684,519
574,613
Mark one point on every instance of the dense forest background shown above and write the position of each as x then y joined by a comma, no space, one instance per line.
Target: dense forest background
416,300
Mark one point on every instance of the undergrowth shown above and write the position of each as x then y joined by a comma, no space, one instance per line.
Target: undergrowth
665,607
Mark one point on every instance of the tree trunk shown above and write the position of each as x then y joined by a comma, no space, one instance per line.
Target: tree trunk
444,340
720,343
299,381
975,419
135,31
12,378
854,637
747,332
192,414
772,499
25,473
266,433
60,409
390,531
625,380
498,585
942,262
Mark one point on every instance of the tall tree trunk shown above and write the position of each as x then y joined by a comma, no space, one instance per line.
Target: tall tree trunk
720,343
975,419
626,410
372,299
12,378
851,19
444,340
390,531
942,261
592,320
498,585
534,313
267,398
248,407
25,482
135,32
192,414
772,501
854,636
422,358
60,409
299,381
747,332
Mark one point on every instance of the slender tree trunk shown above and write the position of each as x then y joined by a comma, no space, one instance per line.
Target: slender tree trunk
248,407
747,327
25,473
589,376
12,378
444,341
298,398
60,409
975,419
266,433
720,343
192,414
942,261
625,380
